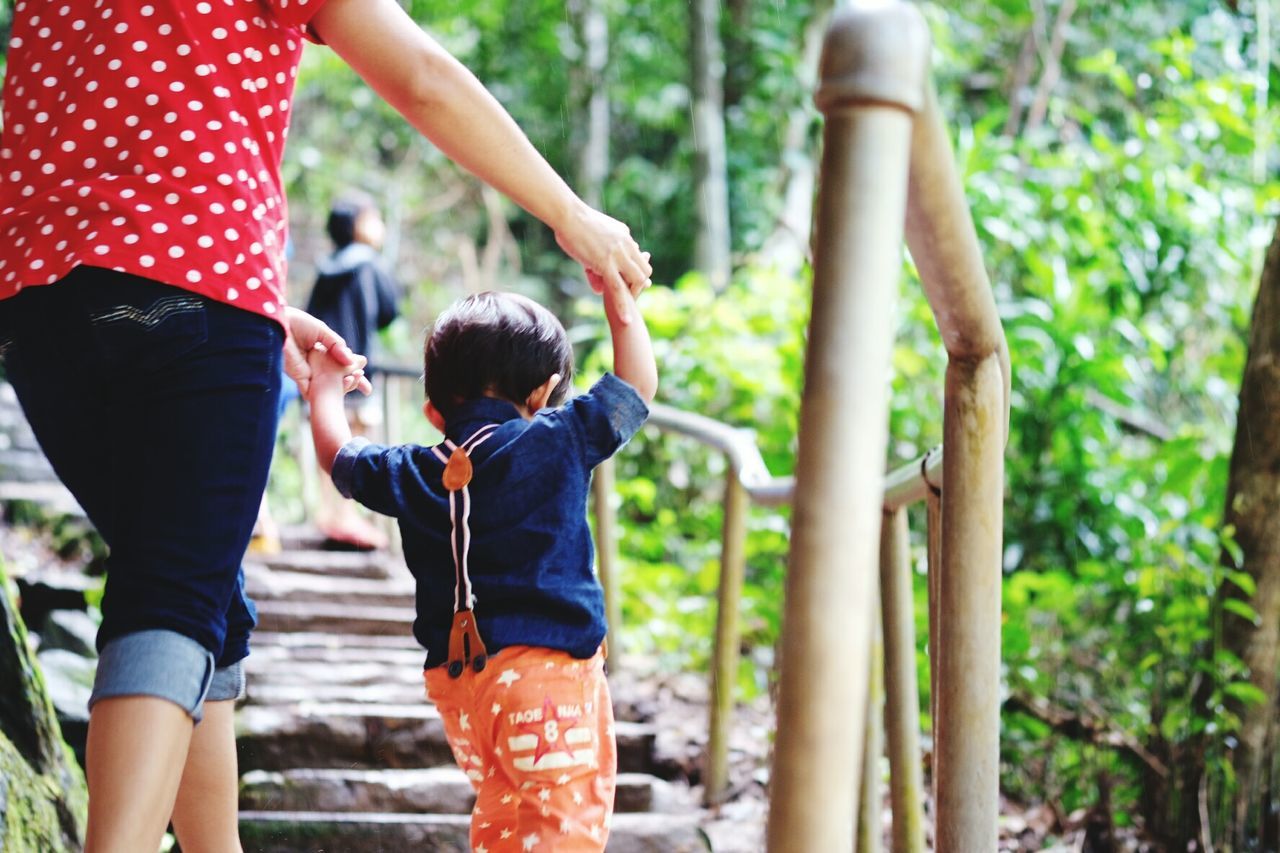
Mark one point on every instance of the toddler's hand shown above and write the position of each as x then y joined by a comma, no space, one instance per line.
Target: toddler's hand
327,371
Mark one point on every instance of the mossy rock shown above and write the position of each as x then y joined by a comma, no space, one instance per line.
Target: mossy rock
43,800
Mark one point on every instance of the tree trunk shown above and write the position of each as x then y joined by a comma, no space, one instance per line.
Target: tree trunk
711,179
787,248
591,98
589,101
1253,509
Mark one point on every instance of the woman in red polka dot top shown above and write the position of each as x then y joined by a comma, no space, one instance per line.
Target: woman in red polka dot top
143,325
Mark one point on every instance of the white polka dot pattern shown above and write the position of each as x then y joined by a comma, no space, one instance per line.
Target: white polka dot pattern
147,137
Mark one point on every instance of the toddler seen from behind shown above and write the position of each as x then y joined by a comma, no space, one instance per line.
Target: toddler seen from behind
494,526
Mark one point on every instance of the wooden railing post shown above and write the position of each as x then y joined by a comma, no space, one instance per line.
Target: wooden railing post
724,670
603,489
871,805
967,741
933,537
902,697
944,245
872,79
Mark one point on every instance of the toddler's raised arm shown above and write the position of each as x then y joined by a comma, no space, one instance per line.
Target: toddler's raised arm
632,351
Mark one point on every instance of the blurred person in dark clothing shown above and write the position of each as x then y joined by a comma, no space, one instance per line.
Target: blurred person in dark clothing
356,296
354,293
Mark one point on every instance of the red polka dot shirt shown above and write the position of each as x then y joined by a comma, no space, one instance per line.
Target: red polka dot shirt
146,137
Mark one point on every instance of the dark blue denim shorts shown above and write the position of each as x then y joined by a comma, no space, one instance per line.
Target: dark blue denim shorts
157,407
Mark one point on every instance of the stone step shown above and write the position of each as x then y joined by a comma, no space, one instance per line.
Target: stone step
271,660
328,735
437,790
311,617
49,493
274,694
265,584
274,653
346,735
301,537
305,832
284,671
26,465
320,645
356,564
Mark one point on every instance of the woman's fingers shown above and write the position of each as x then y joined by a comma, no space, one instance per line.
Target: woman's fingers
353,379
310,332
296,367
609,254
338,349
636,275
645,266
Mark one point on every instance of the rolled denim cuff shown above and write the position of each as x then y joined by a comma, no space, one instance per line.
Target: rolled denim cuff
344,465
627,409
158,663
228,683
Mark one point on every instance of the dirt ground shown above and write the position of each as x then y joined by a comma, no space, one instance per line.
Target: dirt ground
677,705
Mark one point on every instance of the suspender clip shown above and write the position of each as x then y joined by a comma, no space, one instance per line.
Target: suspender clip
465,645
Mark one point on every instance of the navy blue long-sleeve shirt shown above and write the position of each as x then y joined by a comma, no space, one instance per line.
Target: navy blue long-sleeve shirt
531,555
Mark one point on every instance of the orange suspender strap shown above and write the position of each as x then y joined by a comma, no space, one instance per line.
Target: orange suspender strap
465,645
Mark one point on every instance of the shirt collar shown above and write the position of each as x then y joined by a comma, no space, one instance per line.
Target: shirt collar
470,415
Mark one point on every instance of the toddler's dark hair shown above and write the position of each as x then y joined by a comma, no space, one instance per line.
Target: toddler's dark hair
500,343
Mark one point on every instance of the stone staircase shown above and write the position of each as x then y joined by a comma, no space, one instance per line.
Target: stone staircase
341,752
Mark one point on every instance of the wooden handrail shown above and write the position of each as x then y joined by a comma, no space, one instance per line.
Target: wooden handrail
903,485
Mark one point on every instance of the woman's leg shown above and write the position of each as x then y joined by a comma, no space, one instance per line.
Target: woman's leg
157,409
205,815
137,746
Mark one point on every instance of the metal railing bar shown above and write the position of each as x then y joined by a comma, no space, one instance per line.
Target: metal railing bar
738,445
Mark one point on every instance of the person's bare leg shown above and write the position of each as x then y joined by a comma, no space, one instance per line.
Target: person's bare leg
135,752
266,533
206,815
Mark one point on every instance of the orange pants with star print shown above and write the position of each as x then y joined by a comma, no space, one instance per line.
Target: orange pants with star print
534,733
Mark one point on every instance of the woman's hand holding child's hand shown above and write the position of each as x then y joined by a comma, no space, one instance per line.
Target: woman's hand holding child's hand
306,334
327,371
612,258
